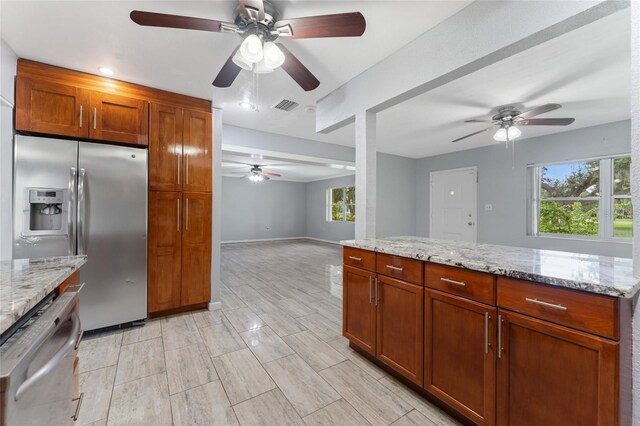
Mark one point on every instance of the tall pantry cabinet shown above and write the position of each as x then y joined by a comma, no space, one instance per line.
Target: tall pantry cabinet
180,158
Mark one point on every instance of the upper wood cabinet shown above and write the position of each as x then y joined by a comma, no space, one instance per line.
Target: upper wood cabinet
57,101
180,152
165,148
196,148
118,118
165,250
552,375
359,309
459,354
53,108
196,248
399,326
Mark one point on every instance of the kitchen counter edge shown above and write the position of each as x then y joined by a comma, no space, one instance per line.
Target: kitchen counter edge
615,277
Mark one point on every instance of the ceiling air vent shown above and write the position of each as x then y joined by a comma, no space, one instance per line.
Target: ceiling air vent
285,105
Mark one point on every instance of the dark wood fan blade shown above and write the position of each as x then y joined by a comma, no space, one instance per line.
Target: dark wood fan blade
546,122
270,174
297,71
255,9
152,19
339,25
478,121
472,134
228,73
538,110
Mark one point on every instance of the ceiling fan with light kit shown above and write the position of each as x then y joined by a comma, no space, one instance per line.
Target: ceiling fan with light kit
258,22
508,120
256,173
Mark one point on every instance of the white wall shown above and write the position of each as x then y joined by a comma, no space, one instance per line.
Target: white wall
316,206
506,188
395,195
8,64
272,209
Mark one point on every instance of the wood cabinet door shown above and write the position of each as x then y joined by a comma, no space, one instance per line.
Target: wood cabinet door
165,148
358,308
400,316
460,354
165,247
550,375
117,118
52,108
196,248
197,143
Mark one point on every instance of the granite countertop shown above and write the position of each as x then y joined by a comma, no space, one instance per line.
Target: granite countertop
611,276
25,282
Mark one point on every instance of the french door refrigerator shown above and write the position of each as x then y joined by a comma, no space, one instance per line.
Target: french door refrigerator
75,197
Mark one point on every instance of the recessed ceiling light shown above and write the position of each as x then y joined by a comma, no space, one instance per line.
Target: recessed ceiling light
106,71
247,105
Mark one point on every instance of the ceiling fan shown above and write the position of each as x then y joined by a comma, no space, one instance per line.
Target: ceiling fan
258,22
509,119
256,174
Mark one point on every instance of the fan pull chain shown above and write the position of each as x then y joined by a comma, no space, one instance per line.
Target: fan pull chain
256,100
513,155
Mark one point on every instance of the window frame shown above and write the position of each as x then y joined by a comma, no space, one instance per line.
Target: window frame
605,201
329,204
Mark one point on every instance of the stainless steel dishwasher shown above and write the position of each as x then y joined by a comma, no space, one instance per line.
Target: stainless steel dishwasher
36,366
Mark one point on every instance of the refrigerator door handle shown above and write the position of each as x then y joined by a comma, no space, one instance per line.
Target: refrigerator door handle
81,211
71,221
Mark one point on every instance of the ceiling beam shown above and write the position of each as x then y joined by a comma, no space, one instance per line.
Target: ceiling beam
480,35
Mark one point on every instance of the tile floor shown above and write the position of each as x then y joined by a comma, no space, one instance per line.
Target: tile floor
273,355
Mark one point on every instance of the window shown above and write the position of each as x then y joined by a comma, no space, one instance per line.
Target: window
586,199
341,204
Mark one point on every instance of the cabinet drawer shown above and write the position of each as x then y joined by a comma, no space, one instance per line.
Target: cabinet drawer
474,285
359,258
588,312
399,267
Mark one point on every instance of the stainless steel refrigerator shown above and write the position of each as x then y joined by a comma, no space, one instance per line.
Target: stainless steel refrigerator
75,197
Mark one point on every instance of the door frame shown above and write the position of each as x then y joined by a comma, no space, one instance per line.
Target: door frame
475,197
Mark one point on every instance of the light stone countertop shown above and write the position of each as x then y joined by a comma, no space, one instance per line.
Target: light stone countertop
612,276
25,282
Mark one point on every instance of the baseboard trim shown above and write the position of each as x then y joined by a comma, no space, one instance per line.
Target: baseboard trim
215,306
322,241
259,240
264,240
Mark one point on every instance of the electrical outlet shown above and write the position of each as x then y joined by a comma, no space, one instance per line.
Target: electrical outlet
488,207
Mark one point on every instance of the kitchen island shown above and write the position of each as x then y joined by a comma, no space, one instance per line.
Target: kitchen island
495,334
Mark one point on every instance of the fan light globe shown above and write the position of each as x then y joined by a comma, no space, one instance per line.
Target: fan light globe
273,56
240,61
501,135
513,132
262,68
251,49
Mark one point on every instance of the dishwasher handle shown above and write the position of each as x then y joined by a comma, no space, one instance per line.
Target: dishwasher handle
69,345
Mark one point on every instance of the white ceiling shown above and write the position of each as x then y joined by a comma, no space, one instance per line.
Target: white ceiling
85,35
586,70
291,168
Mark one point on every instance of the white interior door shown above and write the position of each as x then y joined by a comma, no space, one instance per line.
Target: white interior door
453,205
